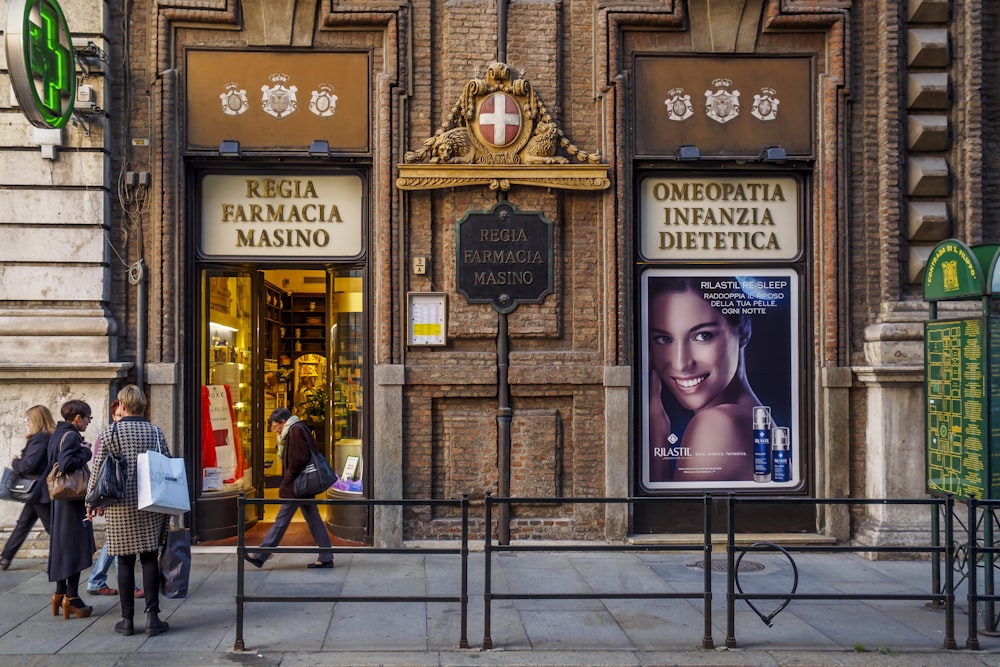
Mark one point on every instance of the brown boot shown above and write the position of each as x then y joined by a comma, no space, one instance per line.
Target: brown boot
79,610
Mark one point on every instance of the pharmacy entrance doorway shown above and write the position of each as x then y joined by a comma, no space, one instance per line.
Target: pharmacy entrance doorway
279,338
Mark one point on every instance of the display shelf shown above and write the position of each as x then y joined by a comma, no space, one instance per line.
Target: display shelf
348,386
305,324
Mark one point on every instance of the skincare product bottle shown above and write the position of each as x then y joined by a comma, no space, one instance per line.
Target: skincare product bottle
782,464
761,443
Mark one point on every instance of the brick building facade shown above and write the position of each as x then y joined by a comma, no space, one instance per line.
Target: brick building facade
107,279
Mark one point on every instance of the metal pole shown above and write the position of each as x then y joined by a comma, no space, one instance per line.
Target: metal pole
706,640
463,642
141,288
501,31
949,602
487,572
730,573
240,553
503,432
972,641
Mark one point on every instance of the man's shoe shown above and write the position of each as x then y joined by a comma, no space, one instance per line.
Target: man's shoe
320,565
4,563
103,590
139,593
125,627
256,562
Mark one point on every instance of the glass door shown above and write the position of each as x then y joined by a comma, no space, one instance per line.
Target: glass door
229,424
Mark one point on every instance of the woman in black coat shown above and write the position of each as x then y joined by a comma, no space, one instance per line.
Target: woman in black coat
71,547
33,462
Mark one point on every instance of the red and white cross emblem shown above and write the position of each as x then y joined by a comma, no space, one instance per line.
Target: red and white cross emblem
499,119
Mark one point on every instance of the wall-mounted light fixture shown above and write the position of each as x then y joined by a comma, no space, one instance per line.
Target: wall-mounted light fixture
229,148
48,139
319,148
772,154
687,153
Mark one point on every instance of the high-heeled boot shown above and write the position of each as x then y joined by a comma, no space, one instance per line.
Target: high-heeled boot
57,600
80,611
154,626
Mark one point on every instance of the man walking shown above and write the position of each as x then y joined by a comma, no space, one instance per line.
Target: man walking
295,446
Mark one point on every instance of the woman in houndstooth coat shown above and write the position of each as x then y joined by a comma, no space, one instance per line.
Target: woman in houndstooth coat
130,531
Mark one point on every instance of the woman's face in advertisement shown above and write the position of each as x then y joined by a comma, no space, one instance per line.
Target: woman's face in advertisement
693,349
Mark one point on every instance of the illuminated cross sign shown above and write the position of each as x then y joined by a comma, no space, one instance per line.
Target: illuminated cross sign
40,59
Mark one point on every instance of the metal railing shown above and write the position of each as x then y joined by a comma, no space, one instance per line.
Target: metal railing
463,550
490,548
942,596
945,597
987,553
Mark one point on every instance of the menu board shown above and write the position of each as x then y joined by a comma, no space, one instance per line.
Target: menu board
955,419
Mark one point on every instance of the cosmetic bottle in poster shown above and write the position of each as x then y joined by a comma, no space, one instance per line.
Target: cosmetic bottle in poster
761,443
781,466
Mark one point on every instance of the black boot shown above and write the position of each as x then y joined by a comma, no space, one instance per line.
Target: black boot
125,626
154,626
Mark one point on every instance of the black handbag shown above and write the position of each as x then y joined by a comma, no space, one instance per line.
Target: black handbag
21,488
317,476
109,487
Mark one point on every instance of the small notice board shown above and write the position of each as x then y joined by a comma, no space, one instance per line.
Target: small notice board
426,318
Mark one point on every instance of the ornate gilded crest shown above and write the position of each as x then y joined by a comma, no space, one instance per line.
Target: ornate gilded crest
722,105
234,100
279,100
678,105
765,105
499,133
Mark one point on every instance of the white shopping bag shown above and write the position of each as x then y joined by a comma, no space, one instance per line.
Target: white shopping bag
162,484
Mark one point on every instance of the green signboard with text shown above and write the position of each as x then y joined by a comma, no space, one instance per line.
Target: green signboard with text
962,416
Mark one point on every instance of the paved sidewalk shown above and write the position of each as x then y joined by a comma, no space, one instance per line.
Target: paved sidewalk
600,632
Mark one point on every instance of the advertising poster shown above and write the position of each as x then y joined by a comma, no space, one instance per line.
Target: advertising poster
220,447
720,385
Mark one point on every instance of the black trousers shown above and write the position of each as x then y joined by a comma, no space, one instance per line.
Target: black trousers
150,581
30,513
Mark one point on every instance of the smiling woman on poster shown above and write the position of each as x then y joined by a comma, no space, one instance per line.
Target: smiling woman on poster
702,407
697,354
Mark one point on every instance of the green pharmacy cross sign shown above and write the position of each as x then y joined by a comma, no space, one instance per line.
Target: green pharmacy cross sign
41,62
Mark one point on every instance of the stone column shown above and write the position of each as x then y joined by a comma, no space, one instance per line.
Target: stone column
387,453
617,386
894,432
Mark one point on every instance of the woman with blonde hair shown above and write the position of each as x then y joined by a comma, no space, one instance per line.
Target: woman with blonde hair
129,531
31,463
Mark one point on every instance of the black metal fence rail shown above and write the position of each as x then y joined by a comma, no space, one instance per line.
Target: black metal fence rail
490,548
987,552
945,597
462,550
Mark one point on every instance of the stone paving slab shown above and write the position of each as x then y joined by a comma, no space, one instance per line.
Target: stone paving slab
601,632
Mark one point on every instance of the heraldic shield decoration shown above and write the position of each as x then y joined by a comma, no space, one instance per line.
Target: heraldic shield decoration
498,134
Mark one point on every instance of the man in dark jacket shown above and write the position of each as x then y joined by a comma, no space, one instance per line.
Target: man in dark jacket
296,444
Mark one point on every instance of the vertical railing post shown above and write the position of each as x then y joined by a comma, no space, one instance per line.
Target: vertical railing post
706,640
241,550
463,642
972,642
487,571
949,576
935,557
730,574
